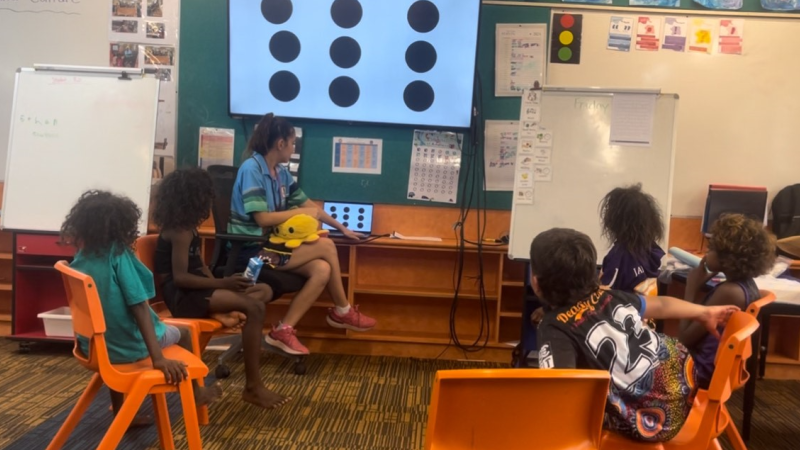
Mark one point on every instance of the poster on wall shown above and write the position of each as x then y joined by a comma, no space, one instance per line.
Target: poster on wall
565,39
500,152
675,31
620,31
435,166
145,34
519,58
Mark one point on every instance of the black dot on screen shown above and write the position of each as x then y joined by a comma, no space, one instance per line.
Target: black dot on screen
346,209
360,226
346,13
423,16
361,210
360,218
333,215
344,91
284,86
345,52
346,225
421,56
284,46
346,217
333,208
276,11
418,96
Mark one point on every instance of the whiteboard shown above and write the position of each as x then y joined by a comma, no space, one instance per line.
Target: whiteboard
739,116
586,167
74,131
35,31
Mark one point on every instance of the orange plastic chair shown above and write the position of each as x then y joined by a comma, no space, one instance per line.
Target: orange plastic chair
734,437
513,409
708,417
146,252
136,380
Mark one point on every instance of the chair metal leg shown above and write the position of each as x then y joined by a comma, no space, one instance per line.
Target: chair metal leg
236,347
162,422
763,346
749,400
190,415
77,412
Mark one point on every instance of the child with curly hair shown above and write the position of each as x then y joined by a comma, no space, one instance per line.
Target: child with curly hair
632,223
103,227
183,202
742,249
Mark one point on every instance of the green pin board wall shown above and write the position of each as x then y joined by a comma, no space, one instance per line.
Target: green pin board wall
204,103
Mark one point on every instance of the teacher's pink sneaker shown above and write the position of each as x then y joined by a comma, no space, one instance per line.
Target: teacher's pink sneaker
354,320
286,339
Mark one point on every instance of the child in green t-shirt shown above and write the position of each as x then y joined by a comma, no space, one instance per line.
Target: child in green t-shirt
103,227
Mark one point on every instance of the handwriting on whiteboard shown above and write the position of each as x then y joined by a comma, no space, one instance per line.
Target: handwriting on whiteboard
35,120
592,105
65,80
66,7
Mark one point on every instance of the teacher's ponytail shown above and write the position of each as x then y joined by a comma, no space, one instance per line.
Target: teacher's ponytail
268,131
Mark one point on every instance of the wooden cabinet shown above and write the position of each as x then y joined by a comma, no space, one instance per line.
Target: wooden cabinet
6,281
37,285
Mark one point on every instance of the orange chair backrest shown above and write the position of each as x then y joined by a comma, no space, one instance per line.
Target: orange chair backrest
87,315
514,409
754,308
146,252
734,348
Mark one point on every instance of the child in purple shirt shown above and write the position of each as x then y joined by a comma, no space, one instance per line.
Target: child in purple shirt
632,222
742,249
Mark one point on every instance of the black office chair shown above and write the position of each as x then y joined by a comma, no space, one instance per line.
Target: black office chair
224,263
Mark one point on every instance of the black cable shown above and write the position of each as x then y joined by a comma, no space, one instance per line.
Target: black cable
244,130
473,178
372,237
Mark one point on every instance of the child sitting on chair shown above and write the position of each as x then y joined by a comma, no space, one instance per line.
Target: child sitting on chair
652,381
103,227
183,202
742,249
632,223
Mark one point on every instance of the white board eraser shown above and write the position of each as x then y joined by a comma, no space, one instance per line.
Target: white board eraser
685,257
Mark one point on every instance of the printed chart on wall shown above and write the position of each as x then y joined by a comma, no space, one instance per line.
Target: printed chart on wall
500,152
435,165
357,155
535,149
144,33
519,58
215,147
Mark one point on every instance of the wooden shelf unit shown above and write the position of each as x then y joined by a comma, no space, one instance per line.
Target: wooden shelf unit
408,286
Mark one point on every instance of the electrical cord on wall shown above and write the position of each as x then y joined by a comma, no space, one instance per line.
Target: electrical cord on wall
473,179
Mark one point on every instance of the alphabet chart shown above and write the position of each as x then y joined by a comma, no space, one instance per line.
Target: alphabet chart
435,165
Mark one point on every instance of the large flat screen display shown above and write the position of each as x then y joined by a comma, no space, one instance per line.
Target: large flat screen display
406,62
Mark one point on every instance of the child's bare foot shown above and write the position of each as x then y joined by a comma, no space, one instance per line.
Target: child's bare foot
233,319
207,395
264,398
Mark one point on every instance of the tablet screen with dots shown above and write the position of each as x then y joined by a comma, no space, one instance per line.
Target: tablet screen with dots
355,216
389,61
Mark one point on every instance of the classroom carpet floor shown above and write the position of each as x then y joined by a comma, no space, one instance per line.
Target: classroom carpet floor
342,403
